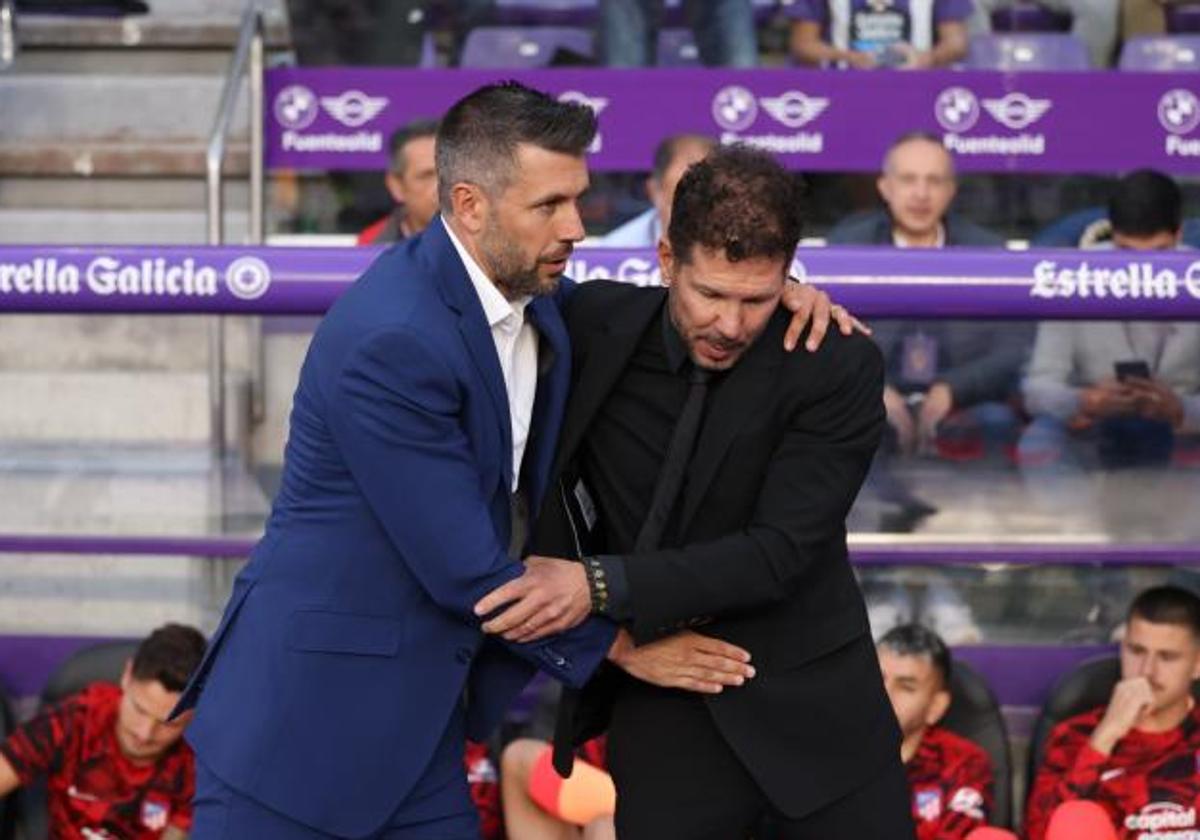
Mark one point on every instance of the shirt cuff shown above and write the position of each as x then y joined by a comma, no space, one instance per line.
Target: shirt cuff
609,586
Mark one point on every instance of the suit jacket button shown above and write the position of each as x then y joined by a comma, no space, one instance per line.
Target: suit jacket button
463,655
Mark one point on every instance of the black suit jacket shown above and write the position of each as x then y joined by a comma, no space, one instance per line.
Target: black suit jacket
785,445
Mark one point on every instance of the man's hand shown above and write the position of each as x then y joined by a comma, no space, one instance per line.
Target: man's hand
1108,398
686,660
1131,700
938,402
552,596
860,60
807,303
1155,400
914,59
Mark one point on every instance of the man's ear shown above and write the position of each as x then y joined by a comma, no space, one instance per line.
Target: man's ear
666,261
470,205
395,187
653,191
938,708
127,675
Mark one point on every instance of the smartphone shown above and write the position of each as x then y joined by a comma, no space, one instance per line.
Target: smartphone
1131,369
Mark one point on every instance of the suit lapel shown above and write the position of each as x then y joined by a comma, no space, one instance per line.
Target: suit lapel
460,295
609,350
747,387
553,385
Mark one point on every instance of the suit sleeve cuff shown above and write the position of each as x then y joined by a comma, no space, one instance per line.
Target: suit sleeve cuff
609,586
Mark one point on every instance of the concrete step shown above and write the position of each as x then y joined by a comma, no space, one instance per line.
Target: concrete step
175,24
118,407
167,108
42,192
42,226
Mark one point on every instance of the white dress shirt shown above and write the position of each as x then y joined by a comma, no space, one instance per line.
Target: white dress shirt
516,348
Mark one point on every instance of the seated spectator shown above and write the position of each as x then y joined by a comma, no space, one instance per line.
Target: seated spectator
1135,758
943,376
950,777
116,766
541,805
865,34
1086,411
672,157
484,783
724,31
412,183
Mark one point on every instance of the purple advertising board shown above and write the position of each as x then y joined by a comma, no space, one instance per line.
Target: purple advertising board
1053,122
873,282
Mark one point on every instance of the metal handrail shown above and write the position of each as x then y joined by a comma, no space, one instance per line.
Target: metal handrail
248,55
8,33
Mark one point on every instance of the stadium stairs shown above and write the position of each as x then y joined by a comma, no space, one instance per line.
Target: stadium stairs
104,420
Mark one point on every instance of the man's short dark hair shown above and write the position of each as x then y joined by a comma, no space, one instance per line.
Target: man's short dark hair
1168,605
919,640
668,147
1146,202
740,201
479,135
404,135
169,655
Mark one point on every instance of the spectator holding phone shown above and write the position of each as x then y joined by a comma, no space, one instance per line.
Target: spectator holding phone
1117,393
865,34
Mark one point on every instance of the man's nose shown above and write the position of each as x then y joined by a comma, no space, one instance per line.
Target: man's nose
571,226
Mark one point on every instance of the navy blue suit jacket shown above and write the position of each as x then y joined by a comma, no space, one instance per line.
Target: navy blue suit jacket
349,638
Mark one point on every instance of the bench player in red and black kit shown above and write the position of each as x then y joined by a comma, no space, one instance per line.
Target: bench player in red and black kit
116,768
949,776
1131,769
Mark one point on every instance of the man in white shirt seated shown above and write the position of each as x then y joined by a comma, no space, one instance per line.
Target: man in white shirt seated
671,159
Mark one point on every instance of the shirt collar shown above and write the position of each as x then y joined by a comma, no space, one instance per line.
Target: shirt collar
677,352
496,307
900,241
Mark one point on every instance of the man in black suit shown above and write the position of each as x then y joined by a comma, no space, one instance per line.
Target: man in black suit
704,479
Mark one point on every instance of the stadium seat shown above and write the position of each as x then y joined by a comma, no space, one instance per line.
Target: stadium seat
975,714
7,812
1026,16
677,48
522,47
1027,51
95,663
1161,53
1182,17
1088,685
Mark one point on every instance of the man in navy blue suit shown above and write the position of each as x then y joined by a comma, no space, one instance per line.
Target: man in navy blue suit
349,668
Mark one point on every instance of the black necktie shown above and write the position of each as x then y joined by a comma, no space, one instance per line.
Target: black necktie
679,452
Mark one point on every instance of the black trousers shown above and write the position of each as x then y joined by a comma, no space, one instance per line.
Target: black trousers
677,778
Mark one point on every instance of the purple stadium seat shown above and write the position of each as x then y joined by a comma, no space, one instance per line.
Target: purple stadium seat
1027,51
429,57
677,48
519,46
1165,53
1026,16
1183,17
558,12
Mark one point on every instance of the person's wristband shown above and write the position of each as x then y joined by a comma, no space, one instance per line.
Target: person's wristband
597,584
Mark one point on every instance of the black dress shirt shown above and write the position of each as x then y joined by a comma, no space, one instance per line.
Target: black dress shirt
624,449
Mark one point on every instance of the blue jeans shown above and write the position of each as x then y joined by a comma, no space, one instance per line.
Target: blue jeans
724,31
